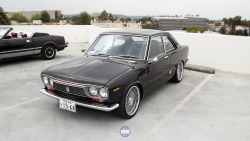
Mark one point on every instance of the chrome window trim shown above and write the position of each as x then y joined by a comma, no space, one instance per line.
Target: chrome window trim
170,42
150,45
136,35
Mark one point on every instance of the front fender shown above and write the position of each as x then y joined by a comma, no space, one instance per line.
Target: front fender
124,82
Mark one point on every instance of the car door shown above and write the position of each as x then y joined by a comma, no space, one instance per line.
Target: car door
171,52
16,47
158,63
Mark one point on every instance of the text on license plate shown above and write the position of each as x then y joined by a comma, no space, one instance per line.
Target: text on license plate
67,104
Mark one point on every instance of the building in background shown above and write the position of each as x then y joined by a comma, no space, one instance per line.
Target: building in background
54,14
241,27
117,24
180,23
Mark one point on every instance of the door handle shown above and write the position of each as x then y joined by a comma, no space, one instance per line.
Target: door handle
166,57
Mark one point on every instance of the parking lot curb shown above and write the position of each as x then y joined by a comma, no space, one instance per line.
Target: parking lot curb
200,68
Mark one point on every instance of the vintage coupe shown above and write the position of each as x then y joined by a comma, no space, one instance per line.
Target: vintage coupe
117,71
19,44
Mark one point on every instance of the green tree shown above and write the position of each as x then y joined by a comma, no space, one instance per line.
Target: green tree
239,32
4,20
144,20
149,26
35,17
19,18
128,19
83,19
45,17
236,21
103,16
245,33
195,30
111,17
223,30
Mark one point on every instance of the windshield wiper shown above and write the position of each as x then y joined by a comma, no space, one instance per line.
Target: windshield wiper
128,56
100,54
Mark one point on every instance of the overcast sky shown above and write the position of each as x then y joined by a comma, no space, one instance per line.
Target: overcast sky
212,9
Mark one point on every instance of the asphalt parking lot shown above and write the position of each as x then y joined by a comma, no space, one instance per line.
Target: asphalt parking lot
203,107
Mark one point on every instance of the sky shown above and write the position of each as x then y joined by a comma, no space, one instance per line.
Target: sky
211,9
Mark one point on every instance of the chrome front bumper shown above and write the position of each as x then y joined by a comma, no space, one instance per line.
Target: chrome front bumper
92,106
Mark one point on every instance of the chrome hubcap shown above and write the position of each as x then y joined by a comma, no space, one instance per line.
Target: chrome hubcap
180,70
132,100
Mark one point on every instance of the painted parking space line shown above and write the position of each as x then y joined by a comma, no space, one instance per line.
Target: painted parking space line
22,103
170,114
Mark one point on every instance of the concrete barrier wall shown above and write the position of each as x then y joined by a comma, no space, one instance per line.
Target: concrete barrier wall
229,53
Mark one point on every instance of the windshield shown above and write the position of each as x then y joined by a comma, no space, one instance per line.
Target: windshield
120,45
3,31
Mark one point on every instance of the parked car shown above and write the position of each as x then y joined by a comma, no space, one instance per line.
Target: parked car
117,71
18,44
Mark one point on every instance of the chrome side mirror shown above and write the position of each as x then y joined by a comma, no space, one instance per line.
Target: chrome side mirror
155,59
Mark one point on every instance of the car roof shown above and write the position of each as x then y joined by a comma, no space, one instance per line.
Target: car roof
147,32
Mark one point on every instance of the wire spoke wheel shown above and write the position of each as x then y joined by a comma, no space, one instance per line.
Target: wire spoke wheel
132,100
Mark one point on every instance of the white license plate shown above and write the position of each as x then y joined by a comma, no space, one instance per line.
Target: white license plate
67,104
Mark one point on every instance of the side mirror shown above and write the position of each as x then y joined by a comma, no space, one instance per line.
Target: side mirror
154,60
83,50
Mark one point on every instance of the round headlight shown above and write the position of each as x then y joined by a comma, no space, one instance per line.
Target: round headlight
93,91
45,80
103,92
51,81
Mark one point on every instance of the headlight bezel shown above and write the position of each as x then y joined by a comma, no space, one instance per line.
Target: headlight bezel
103,91
45,79
96,91
98,95
51,81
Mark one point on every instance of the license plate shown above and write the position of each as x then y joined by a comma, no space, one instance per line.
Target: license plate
67,104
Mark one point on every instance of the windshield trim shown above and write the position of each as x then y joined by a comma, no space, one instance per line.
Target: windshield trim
145,54
8,29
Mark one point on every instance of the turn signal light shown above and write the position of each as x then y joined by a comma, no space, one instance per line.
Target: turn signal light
52,89
116,89
95,99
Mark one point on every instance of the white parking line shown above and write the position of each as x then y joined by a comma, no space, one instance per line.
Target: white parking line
176,109
22,103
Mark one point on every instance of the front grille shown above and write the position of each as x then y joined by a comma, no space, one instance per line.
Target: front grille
72,90
80,98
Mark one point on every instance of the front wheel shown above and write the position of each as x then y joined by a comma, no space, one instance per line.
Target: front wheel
48,52
130,102
178,73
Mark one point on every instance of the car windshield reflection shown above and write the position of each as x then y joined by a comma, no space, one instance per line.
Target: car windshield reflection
2,32
124,46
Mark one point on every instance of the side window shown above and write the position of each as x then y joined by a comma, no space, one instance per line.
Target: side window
167,44
156,47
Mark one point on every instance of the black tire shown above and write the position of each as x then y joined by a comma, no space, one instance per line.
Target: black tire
178,75
122,111
48,52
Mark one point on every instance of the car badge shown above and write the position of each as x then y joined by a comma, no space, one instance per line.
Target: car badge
67,89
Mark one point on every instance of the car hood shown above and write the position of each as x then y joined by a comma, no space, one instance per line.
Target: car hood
90,70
